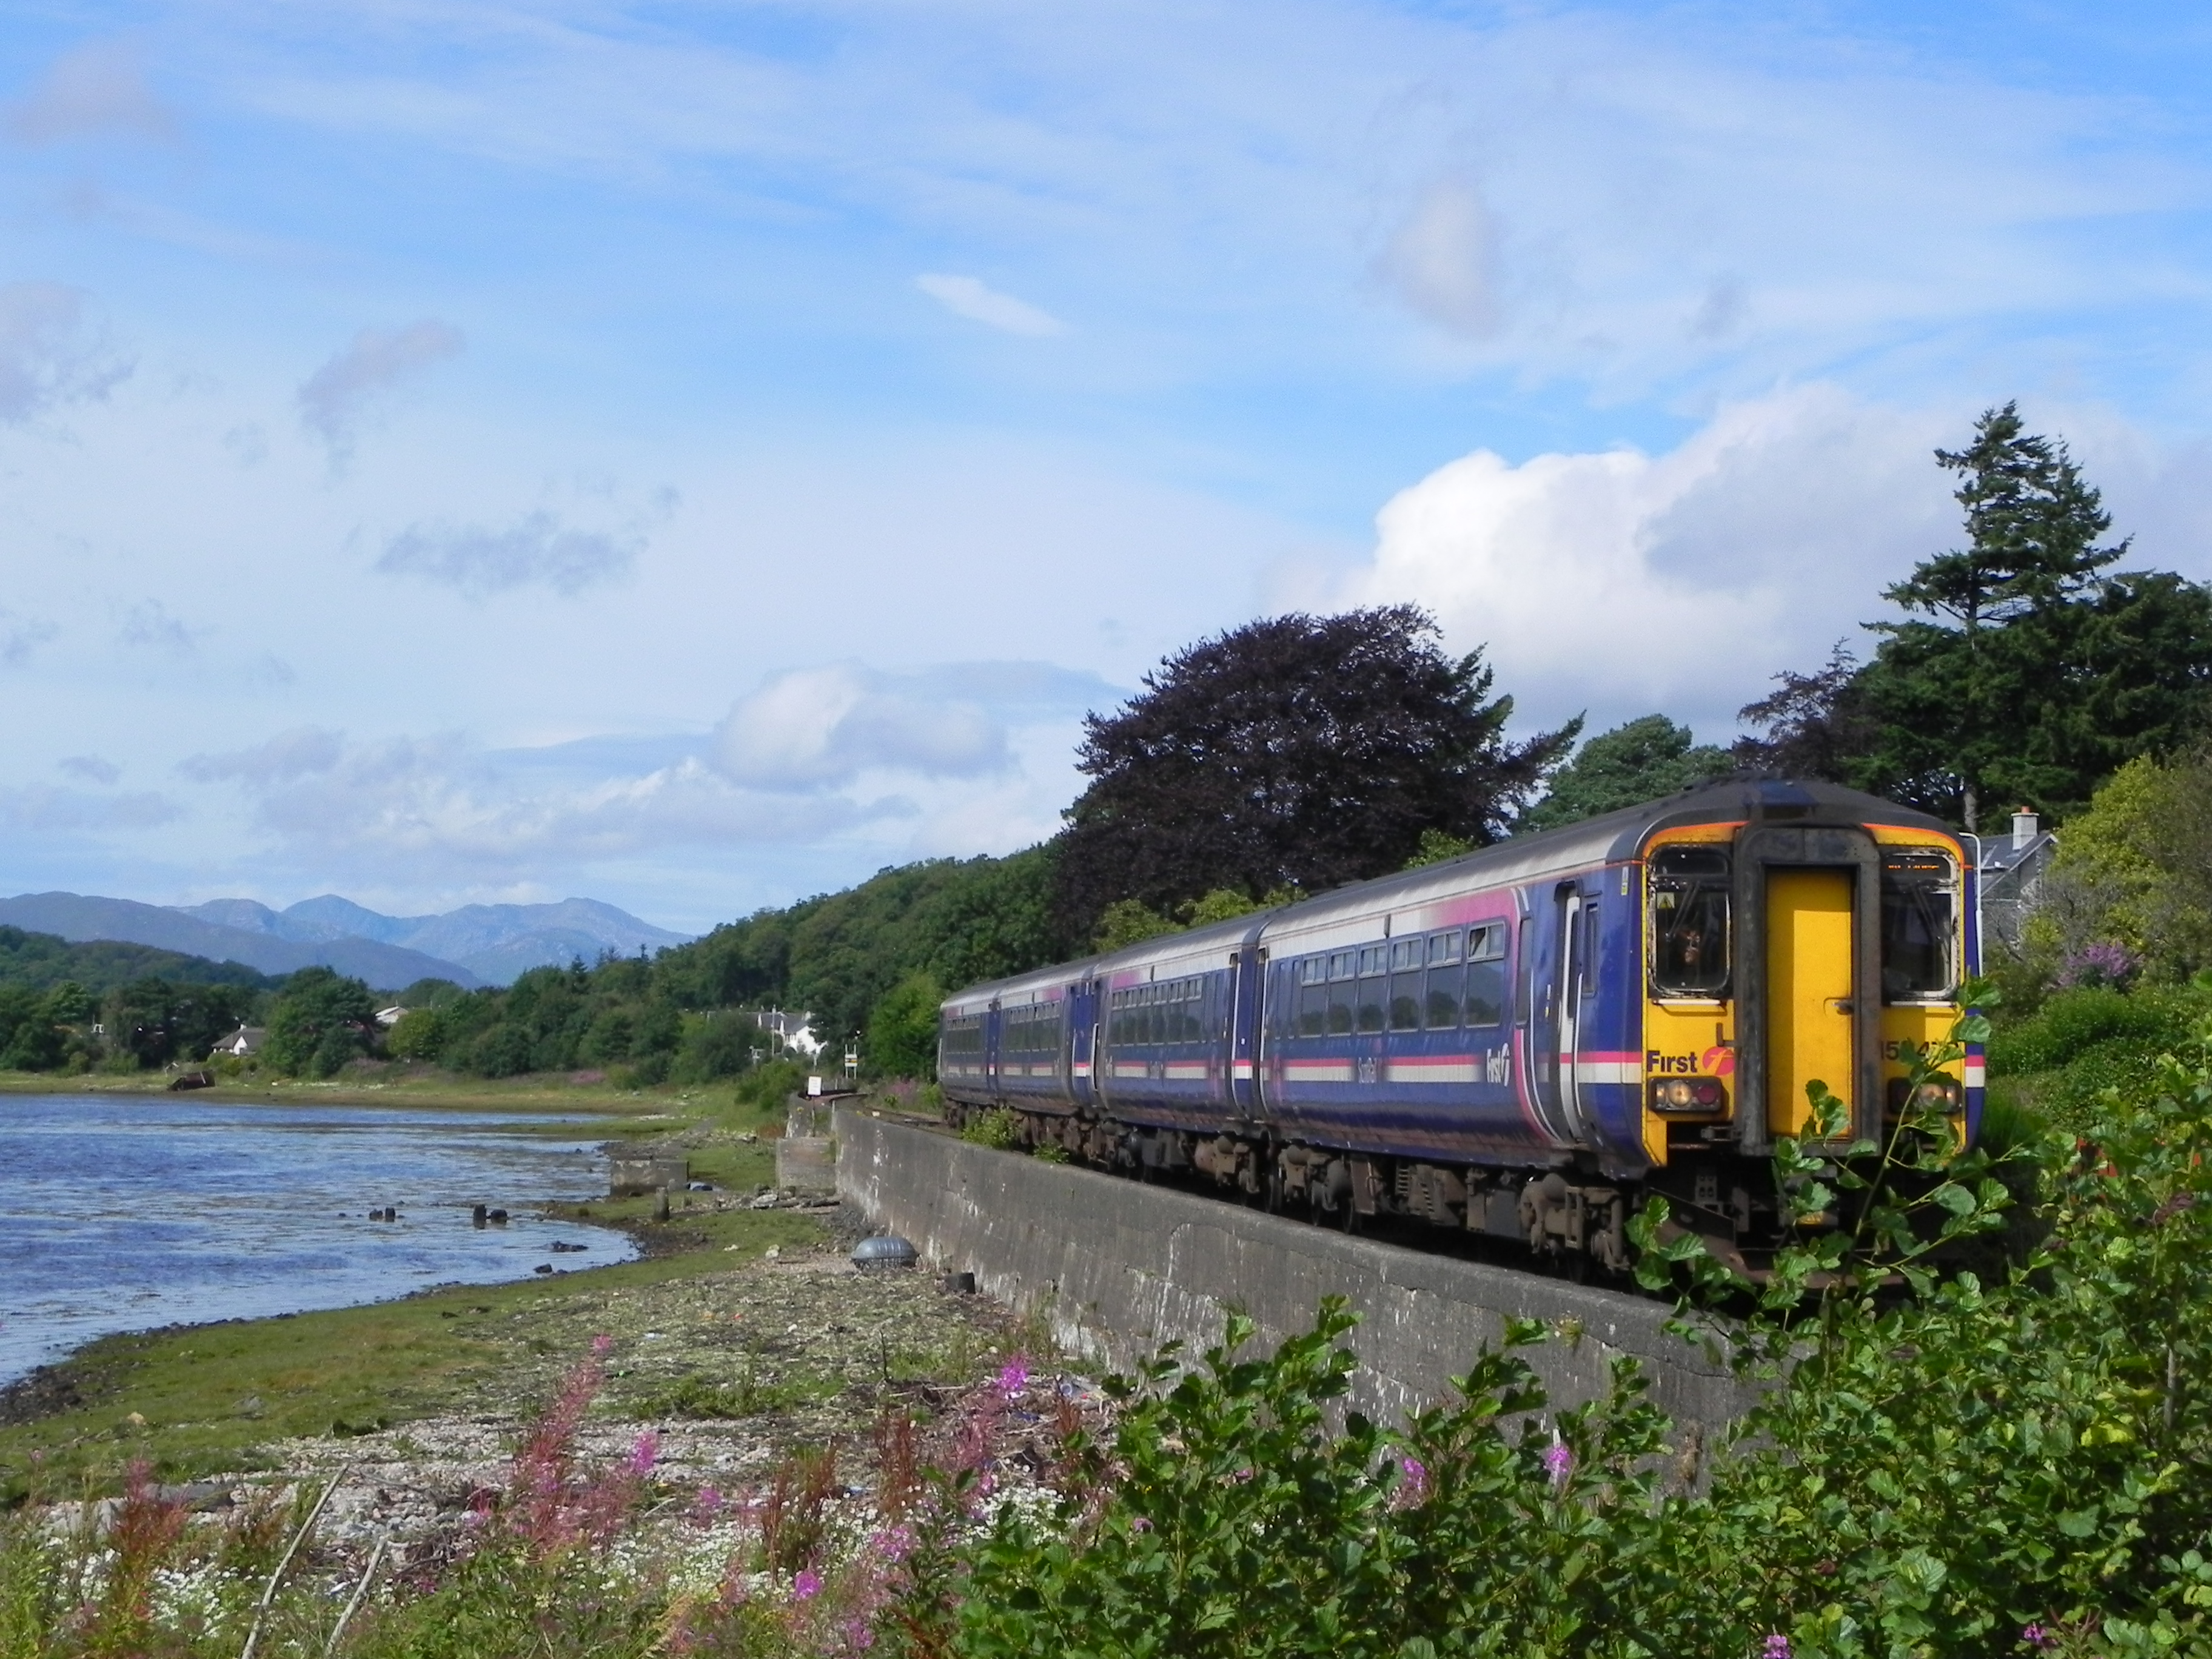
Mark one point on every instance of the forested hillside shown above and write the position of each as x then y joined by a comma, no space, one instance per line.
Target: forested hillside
947,922
39,962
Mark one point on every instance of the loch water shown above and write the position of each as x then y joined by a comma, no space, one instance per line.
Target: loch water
128,1213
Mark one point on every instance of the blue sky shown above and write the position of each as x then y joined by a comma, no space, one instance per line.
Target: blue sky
696,455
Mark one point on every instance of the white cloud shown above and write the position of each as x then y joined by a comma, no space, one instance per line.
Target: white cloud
46,356
21,636
811,728
537,549
968,296
1440,259
1621,582
442,807
98,91
283,758
334,398
91,768
149,625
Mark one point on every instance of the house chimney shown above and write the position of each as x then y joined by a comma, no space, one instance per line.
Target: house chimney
2023,828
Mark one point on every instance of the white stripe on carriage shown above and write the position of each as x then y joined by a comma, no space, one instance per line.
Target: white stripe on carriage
1608,1071
1453,1071
1185,1072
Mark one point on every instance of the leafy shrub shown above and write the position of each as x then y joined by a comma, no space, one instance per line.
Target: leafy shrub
1938,1465
764,1088
902,1029
419,1034
319,1021
717,1045
2071,1023
998,1128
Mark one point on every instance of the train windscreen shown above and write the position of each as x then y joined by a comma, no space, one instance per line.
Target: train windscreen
1690,921
1919,926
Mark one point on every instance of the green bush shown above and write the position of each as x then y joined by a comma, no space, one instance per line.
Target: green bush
2070,1023
320,1021
717,1045
998,1128
1937,1466
765,1089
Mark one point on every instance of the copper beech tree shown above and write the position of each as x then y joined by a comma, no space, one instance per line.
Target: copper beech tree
1296,752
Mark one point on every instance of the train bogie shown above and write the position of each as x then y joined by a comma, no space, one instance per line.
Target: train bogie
1522,1042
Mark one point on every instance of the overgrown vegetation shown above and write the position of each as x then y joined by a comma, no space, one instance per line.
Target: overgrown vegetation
1943,1463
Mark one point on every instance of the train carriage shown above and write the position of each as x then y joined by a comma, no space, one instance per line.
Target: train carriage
1523,1040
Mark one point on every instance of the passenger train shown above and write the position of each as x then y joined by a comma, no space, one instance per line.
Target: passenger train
1523,1041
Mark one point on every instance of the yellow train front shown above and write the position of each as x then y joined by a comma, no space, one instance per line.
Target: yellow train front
1786,948
1524,1041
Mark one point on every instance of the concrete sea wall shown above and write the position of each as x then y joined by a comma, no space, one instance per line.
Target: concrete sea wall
1115,1268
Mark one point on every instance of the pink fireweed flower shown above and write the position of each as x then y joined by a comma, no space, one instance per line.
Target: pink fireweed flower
1141,1524
806,1586
858,1636
1015,1376
1413,1481
601,1345
895,1543
1559,1461
2036,1636
1778,1647
644,1454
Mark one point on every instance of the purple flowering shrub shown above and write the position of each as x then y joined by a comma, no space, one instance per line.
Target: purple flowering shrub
2102,964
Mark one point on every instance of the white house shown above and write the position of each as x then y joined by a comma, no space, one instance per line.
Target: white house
246,1040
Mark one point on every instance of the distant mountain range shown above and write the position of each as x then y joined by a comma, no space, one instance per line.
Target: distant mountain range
477,945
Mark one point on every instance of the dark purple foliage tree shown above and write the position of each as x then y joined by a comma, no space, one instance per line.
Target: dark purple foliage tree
1294,753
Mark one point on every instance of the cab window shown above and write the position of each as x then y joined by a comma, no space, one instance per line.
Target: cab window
1689,890
1919,926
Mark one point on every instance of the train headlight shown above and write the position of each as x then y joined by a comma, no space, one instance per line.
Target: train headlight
1939,1093
1687,1094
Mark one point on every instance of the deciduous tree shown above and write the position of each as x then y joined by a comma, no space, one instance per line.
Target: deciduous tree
1641,761
1295,752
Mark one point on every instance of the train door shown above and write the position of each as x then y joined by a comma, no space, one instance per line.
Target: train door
1082,1040
1247,992
1811,1013
991,1029
1554,974
1807,913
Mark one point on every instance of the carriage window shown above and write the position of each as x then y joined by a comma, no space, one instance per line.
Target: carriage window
1344,964
1374,994
1919,926
1485,975
1445,981
1443,947
1342,994
1374,958
1690,921
1485,992
1405,995
1313,1009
